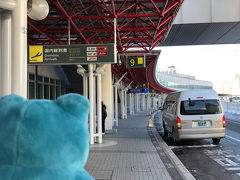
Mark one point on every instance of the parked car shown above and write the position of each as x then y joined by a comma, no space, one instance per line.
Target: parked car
194,114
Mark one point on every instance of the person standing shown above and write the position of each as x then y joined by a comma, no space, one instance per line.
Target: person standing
104,115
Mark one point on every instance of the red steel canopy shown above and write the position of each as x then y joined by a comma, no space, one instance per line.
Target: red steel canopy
140,24
141,77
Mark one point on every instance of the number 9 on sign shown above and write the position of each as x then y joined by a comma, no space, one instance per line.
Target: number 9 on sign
132,62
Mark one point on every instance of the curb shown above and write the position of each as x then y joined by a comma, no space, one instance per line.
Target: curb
181,169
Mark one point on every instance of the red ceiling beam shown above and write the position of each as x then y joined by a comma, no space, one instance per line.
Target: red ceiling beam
41,32
140,24
59,6
126,9
169,8
148,17
79,12
106,6
74,7
155,7
137,29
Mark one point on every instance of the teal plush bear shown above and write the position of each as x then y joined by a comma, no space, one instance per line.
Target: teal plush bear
43,139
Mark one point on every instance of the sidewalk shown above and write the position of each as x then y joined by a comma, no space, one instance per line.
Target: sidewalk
128,154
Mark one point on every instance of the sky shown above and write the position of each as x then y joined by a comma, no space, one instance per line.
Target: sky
215,63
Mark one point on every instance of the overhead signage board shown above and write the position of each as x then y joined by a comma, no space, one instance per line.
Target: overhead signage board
136,62
141,90
71,54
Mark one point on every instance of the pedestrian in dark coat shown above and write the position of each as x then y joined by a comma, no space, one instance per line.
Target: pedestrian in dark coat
104,115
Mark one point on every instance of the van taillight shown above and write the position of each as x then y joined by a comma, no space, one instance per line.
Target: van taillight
224,121
179,124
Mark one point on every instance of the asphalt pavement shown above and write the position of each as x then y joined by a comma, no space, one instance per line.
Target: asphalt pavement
206,160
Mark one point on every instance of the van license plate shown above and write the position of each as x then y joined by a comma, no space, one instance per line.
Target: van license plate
202,123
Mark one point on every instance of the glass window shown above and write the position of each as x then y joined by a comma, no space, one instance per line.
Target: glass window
57,82
199,107
40,91
46,91
62,90
58,91
40,78
31,90
46,80
31,77
52,92
52,81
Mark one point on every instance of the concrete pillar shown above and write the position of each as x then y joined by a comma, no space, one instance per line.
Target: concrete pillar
99,107
107,96
6,44
7,4
94,104
131,103
138,110
125,100
91,99
19,48
154,103
143,101
139,102
159,101
85,85
122,104
135,103
148,104
115,105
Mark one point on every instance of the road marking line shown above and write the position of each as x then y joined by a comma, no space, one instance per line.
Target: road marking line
230,137
223,161
194,146
233,169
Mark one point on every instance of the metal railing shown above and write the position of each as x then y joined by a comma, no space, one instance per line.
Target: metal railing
231,110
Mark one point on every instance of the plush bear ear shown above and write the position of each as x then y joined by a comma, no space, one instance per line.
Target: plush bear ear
11,99
74,103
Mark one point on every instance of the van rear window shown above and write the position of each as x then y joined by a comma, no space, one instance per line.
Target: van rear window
199,107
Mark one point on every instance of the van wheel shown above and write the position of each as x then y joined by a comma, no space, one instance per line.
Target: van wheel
216,140
165,130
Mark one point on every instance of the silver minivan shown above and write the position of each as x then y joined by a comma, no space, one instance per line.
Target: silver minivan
193,114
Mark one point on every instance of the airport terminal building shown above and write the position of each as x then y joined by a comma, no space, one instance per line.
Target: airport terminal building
173,80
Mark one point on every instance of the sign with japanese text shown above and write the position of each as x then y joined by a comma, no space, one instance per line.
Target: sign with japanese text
71,54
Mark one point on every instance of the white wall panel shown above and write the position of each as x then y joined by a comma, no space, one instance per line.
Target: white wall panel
208,11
